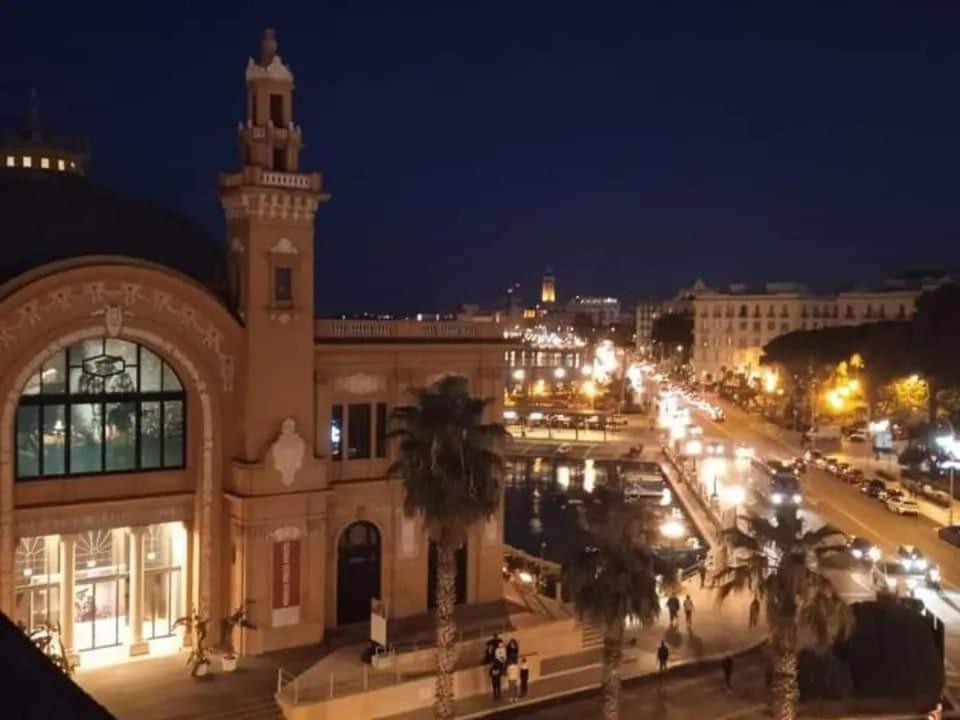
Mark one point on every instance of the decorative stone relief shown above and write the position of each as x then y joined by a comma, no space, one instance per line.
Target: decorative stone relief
282,534
284,247
360,384
288,450
408,534
115,302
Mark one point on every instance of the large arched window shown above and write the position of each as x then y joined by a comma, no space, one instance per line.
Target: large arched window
101,406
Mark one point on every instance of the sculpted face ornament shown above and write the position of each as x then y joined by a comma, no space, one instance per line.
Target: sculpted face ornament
288,451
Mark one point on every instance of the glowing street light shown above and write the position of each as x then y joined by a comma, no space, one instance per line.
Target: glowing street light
518,374
673,529
560,373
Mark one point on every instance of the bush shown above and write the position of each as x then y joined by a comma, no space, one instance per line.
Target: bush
893,653
823,676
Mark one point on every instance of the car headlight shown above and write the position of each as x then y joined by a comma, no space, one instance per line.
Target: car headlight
776,498
797,498
857,553
874,553
934,575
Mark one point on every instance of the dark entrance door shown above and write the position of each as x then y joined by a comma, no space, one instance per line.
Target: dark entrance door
358,572
432,575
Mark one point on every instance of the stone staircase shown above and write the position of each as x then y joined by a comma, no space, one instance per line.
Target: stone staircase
591,635
261,708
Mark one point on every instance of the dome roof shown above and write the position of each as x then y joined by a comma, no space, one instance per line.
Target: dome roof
48,216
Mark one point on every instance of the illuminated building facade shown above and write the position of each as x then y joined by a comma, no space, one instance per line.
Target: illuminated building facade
731,327
180,431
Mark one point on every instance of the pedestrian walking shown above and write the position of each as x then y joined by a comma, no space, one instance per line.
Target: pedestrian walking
673,605
524,677
513,679
496,679
754,612
703,573
491,648
513,651
728,672
688,611
663,655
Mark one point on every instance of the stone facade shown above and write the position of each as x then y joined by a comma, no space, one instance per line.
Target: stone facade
263,507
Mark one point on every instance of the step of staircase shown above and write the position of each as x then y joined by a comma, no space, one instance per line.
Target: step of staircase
591,635
261,708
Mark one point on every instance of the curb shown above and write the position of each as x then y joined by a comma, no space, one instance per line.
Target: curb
681,669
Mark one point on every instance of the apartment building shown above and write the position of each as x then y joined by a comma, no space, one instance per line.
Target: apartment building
732,326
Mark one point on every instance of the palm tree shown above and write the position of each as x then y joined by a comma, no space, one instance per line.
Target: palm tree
451,465
803,609
611,579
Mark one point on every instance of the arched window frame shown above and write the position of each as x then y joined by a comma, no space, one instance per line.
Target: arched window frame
80,377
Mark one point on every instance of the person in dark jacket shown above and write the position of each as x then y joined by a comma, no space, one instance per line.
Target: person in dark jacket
496,679
524,677
513,651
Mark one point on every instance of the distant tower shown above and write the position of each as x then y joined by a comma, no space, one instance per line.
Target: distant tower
548,290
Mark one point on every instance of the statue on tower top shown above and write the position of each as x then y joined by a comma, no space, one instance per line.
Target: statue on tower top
268,47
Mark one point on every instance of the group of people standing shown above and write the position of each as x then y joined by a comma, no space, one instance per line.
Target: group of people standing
504,659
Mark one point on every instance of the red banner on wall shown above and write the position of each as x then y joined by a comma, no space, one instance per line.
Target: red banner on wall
286,574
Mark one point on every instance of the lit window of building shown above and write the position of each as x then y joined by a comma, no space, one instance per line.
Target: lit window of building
61,165
27,161
11,161
45,163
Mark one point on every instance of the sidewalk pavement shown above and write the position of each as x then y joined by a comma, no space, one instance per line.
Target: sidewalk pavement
718,630
160,688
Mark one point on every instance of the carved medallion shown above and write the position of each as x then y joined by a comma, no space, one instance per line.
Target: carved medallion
288,450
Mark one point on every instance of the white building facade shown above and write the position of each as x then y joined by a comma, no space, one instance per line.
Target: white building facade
732,327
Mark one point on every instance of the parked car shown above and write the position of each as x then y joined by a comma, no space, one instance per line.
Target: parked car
875,489
815,457
799,466
830,465
857,436
862,550
841,468
950,534
901,503
565,448
854,476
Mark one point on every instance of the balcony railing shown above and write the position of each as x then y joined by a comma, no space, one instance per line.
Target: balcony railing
452,330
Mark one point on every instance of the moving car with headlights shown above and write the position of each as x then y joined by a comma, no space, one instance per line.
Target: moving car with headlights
889,576
900,503
917,565
862,550
785,490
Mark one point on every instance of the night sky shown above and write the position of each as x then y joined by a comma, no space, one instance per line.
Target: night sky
630,146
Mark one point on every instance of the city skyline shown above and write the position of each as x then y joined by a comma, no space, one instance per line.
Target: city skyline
761,146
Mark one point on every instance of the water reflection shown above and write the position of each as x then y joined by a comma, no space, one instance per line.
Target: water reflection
546,501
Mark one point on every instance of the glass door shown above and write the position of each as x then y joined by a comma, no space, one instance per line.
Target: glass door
161,602
100,613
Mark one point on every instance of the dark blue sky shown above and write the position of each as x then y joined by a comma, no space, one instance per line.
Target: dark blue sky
630,146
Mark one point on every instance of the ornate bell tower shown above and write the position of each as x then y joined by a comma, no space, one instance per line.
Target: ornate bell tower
270,206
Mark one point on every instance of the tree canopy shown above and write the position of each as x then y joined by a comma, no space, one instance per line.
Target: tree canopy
673,329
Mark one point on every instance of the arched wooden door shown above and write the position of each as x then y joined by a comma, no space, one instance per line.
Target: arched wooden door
358,572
